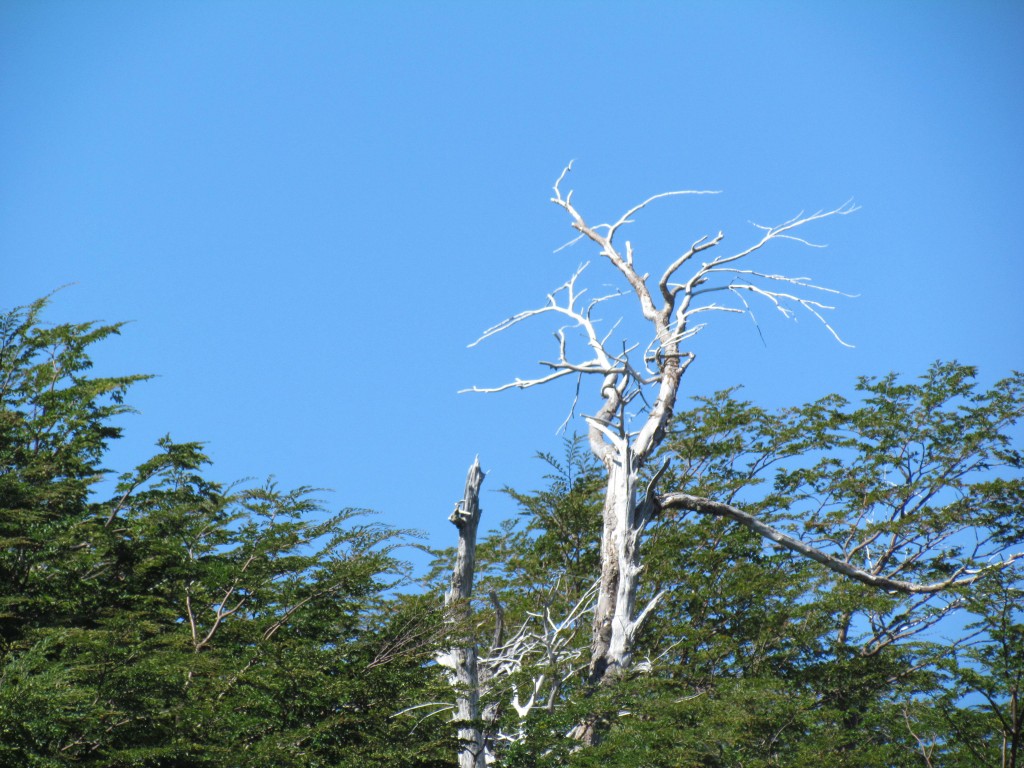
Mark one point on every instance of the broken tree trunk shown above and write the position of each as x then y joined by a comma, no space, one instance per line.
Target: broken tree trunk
463,657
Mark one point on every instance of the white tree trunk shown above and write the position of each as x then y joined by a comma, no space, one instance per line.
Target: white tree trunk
619,569
463,657
616,619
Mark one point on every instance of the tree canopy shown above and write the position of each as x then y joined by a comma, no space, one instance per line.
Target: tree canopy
757,656
182,621
159,617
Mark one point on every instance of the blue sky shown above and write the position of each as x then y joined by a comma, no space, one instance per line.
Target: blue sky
308,210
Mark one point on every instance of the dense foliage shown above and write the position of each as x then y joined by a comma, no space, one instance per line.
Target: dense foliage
181,622
756,656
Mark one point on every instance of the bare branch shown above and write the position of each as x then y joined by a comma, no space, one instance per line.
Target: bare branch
776,298
669,292
602,362
962,576
520,383
626,217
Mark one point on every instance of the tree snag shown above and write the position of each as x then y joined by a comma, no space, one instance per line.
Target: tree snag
462,658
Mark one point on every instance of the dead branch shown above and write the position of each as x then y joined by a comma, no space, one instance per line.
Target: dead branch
962,576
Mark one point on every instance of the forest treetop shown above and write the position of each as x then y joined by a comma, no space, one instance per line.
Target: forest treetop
188,622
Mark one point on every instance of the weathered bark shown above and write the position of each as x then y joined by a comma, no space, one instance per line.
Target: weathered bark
625,517
620,567
463,657
616,621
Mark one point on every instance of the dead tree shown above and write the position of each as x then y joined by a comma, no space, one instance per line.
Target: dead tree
649,380
638,387
462,658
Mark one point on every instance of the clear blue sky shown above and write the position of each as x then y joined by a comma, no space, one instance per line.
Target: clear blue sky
308,210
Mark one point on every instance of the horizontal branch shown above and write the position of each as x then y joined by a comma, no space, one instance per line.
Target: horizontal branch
685,501
626,217
777,298
520,383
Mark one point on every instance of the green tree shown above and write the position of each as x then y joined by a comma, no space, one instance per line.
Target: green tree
182,622
977,717
55,425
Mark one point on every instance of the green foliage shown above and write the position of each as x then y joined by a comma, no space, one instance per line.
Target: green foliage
54,428
556,534
982,697
181,622
756,657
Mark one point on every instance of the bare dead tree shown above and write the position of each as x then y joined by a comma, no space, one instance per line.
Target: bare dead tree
638,387
672,310
462,658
